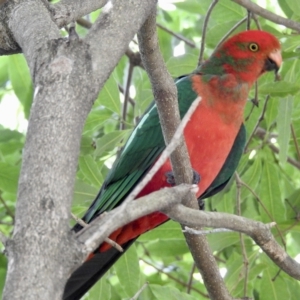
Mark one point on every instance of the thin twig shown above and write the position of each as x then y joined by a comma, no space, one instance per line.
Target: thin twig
131,101
261,117
126,96
177,35
256,21
190,282
107,240
202,46
268,14
261,133
3,238
244,252
239,23
265,209
248,25
295,141
8,210
173,277
136,296
166,153
84,23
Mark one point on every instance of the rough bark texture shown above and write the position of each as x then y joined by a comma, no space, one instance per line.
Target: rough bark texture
166,100
67,75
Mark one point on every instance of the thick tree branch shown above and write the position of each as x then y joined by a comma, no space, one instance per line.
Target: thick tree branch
260,232
93,235
165,96
256,9
67,76
168,201
66,11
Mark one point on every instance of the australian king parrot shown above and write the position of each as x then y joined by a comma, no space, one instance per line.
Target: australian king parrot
215,138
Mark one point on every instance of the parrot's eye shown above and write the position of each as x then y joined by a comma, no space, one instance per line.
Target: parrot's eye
253,47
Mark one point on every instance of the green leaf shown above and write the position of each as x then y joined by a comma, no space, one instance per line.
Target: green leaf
169,292
270,194
3,70
219,241
251,177
90,169
294,6
279,89
100,291
168,230
193,6
9,177
182,64
110,96
20,78
7,135
84,192
273,289
284,120
128,271
167,247
87,145
110,140
96,119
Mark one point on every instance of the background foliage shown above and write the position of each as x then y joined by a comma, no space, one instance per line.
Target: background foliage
268,181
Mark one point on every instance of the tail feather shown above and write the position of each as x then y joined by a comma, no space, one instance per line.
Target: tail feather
91,271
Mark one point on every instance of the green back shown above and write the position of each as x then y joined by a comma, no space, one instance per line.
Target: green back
142,149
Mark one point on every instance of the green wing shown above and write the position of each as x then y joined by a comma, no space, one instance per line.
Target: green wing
143,147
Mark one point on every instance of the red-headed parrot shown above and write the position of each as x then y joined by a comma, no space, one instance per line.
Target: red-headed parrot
215,138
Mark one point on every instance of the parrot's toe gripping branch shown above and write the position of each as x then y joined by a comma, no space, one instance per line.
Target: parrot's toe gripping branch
171,179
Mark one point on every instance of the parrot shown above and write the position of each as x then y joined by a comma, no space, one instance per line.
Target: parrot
215,137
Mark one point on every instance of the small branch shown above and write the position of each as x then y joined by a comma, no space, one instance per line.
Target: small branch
256,22
8,210
84,23
173,278
94,234
190,282
131,101
258,231
261,117
244,252
295,141
126,96
67,11
107,240
202,46
136,296
3,238
239,23
176,35
249,5
261,133
264,208
165,95
134,58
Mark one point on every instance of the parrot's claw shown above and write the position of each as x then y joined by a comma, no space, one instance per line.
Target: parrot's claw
201,204
171,179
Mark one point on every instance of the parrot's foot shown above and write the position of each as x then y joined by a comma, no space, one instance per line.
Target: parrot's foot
201,204
171,178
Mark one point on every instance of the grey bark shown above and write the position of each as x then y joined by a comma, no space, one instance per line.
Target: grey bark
67,76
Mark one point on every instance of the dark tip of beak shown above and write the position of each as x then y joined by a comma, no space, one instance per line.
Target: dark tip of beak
270,65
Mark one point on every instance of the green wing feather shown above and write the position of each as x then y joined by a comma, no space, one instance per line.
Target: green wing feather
142,149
